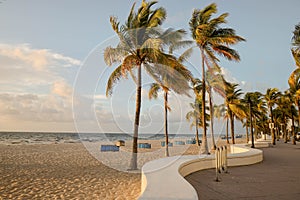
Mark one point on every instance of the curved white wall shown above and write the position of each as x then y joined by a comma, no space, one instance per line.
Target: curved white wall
164,178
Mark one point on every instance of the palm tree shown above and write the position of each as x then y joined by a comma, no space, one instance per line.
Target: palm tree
281,112
291,111
173,76
220,112
271,97
215,82
235,107
256,110
140,46
296,44
197,109
212,39
294,83
195,116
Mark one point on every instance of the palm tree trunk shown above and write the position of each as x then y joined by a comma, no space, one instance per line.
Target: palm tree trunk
284,132
251,127
298,105
227,130
272,129
166,124
133,163
232,127
293,129
197,132
204,147
247,132
277,133
214,147
255,130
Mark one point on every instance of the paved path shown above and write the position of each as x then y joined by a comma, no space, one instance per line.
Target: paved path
277,177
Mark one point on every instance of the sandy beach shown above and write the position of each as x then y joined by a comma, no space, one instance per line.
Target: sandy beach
71,171
61,171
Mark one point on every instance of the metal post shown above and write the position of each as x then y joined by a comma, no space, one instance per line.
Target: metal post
217,164
221,161
226,160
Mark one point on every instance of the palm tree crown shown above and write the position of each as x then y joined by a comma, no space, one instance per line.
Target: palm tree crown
212,39
141,45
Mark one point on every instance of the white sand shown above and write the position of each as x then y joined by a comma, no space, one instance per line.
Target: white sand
73,171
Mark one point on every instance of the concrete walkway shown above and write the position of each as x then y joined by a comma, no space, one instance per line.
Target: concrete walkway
277,177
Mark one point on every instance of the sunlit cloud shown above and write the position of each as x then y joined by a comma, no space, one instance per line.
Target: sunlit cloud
37,58
62,89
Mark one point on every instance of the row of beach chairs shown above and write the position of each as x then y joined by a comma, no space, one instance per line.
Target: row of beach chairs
120,143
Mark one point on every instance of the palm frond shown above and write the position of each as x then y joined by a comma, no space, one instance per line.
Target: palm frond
214,23
185,55
157,17
238,109
227,52
296,56
205,14
129,63
130,18
112,55
153,91
114,78
225,36
115,24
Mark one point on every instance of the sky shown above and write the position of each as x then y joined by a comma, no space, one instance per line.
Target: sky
53,77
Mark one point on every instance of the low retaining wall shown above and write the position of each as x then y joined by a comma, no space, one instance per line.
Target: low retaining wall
164,178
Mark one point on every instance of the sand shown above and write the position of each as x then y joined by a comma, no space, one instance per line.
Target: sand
73,171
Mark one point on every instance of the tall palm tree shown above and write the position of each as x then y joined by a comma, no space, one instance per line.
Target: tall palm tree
291,111
195,116
271,96
196,113
220,112
140,46
172,78
214,83
235,108
281,112
296,45
256,109
294,83
211,40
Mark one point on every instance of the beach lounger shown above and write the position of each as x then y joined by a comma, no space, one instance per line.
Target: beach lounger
109,148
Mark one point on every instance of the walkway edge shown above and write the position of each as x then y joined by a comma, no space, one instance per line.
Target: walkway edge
164,178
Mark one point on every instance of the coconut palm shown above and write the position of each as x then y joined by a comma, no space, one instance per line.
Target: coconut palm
234,105
195,117
296,45
256,109
220,112
215,82
173,77
291,111
140,46
196,111
271,96
294,83
281,112
156,87
211,40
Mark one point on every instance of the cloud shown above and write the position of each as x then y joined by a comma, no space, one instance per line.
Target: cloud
39,59
33,86
25,69
36,108
62,89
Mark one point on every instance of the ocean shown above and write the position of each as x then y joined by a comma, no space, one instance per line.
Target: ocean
56,137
